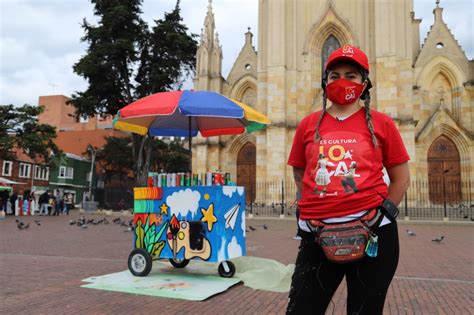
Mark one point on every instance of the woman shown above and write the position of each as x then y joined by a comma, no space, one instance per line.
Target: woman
360,142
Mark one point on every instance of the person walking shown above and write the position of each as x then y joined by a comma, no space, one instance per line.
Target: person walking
57,202
346,139
43,203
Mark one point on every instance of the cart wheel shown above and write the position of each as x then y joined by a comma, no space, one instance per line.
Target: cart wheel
140,262
226,269
179,263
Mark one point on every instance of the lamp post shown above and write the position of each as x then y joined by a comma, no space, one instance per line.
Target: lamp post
93,153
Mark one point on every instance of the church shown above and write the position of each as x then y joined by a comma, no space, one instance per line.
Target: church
427,88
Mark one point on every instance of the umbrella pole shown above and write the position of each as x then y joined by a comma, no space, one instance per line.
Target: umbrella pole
190,151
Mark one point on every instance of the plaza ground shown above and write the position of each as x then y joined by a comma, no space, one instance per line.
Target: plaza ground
41,270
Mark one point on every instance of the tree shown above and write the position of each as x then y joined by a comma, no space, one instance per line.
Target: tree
116,156
19,129
168,57
126,61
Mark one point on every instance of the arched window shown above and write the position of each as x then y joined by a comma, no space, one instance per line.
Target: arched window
330,45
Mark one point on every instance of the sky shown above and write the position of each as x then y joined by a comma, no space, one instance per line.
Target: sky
40,39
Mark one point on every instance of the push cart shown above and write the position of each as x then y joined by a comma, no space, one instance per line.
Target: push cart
185,223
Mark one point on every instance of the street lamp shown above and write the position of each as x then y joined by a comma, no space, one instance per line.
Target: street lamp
93,153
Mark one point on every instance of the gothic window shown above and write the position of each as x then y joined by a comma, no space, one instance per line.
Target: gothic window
249,97
330,45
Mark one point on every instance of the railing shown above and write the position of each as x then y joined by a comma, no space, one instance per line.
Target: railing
423,201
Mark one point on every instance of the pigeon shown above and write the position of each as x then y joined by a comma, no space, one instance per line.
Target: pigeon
105,221
84,226
438,239
72,222
19,226
265,227
38,222
26,226
411,233
252,228
465,217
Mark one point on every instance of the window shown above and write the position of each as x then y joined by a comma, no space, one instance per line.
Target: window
84,119
25,170
329,46
41,172
7,168
66,172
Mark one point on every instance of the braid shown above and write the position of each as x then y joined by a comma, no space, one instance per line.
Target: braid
368,118
317,136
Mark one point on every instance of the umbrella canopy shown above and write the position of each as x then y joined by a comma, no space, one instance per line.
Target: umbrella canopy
4,181
185,113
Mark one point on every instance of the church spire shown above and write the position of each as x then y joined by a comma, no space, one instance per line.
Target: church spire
209,56
209,25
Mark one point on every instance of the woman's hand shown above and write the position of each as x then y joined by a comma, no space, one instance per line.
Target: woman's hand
399,182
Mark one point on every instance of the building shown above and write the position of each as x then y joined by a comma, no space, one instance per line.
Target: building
79,139
73,176
426,88
32,175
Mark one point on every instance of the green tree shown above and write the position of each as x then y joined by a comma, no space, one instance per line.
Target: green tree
19,128
116,156
126,61
168,57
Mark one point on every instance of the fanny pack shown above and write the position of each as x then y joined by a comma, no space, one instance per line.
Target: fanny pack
349,241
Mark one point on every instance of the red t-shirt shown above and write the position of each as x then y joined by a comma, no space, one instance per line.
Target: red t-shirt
343,174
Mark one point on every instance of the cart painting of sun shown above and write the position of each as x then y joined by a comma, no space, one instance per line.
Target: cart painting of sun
184,223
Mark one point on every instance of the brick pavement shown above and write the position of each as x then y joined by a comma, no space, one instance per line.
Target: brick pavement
41,271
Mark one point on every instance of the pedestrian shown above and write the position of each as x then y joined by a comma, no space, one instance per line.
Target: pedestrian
27,196
69,201
347,139
43,203
13,199
57,202
4,195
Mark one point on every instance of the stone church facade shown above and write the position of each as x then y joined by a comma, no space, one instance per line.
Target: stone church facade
426,88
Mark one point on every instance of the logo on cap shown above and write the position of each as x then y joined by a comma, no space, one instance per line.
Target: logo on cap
350,93
347,49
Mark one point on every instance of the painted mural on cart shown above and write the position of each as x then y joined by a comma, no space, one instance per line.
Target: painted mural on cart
205,222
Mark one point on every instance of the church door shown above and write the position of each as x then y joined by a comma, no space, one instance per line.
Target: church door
444,172
246,170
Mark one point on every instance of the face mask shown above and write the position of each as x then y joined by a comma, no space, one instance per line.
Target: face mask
344,92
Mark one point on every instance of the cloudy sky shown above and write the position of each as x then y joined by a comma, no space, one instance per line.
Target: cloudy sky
40,39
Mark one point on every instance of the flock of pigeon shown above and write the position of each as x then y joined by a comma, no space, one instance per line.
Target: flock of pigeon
251,228
437,240
82,222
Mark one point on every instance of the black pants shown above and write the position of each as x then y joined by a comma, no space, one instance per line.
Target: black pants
315,279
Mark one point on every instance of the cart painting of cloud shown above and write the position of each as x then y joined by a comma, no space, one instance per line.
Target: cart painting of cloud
192,222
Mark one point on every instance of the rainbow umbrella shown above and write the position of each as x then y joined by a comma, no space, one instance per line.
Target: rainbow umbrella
187,113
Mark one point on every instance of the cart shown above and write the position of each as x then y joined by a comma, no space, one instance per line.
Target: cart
185,223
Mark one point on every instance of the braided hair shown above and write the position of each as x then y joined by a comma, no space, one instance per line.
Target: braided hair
365,97
368,117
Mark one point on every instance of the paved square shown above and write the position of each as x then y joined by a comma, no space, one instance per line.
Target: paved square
41,271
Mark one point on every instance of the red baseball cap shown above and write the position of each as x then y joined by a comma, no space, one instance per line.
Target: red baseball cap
350,53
